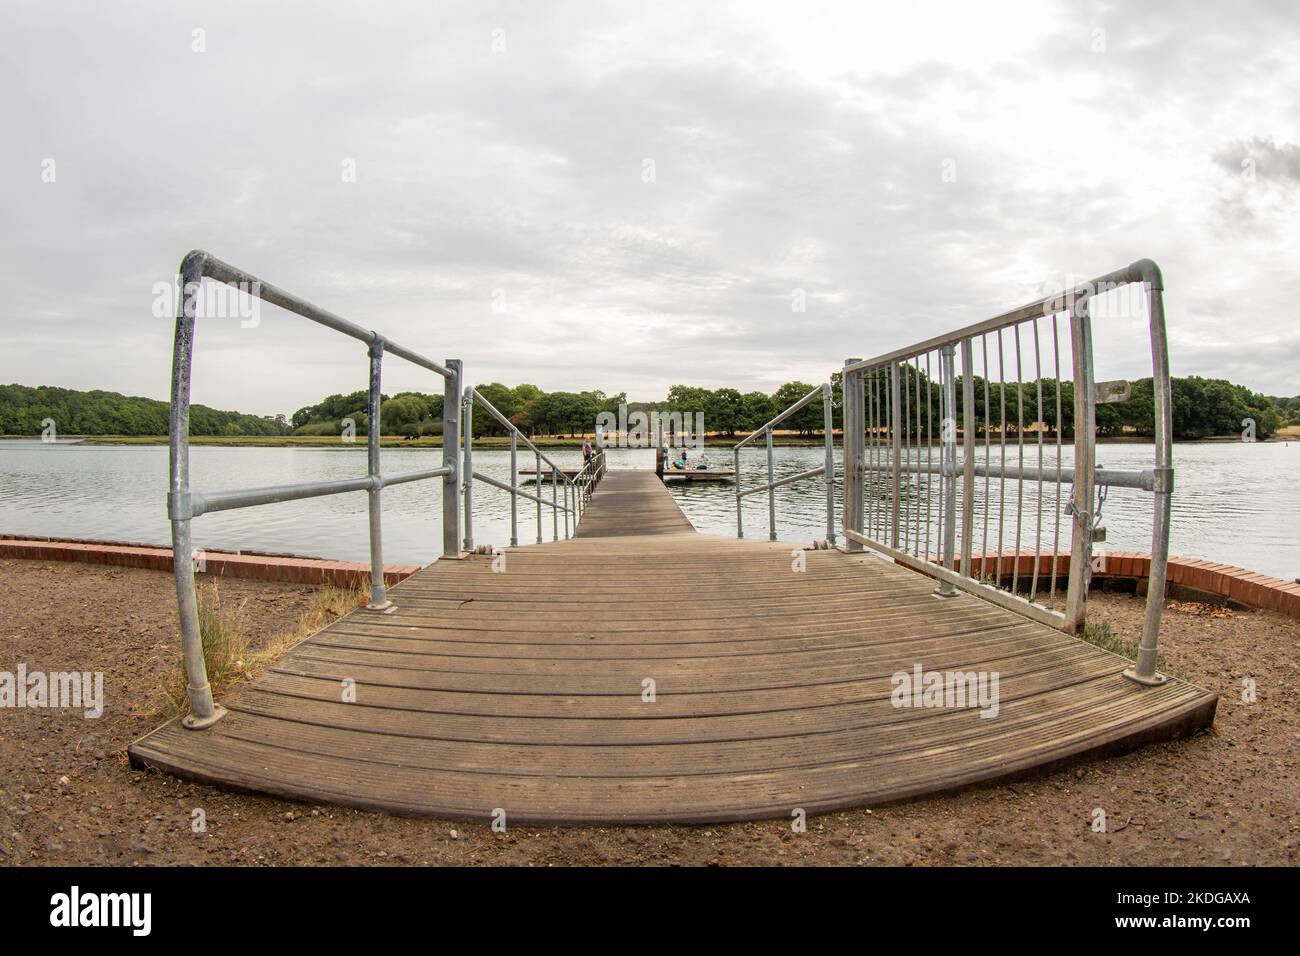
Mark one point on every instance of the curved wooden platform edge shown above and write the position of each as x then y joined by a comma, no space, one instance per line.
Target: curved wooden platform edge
771,687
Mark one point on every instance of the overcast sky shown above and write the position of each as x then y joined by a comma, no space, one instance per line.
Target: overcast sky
501,211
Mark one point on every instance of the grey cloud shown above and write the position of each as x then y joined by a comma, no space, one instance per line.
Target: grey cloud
1271,161
521,172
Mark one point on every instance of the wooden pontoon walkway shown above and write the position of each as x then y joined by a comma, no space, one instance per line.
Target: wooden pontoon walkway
525,690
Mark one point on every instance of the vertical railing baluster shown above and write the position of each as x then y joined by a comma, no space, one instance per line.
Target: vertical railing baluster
1144,671
378,600
537,481
1085,423
1002,438
907,456
1038,533
467,423
896,446
1060,426
988,459
771,492
828,425
555,514
854,454
930,459
968,454
740,518
451,399
514,490
879,477
1020,450
869,480
947,464
204,711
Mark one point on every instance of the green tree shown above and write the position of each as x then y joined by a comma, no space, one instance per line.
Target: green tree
401,415
808,419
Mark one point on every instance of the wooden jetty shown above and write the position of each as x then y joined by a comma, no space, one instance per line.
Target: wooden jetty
644,673
698,474
570,473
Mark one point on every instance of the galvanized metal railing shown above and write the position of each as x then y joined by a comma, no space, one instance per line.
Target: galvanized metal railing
826,469
891,458
183,504
577,490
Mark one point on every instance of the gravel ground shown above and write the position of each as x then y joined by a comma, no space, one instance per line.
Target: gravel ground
69,797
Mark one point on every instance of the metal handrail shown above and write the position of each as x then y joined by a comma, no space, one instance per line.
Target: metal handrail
827,468
577,490
892,375
183,505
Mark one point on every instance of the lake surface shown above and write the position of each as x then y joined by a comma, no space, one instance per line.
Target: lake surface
1233,502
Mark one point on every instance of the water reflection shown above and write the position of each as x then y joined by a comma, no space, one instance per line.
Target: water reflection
1233,502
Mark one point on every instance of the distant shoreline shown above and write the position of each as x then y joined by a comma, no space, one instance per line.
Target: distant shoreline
787,440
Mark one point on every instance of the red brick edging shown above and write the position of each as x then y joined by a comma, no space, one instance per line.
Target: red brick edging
1211,578
261,567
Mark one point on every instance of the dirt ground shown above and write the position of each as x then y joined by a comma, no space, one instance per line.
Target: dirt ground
69,797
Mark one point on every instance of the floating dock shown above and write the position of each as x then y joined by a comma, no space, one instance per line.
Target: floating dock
644,673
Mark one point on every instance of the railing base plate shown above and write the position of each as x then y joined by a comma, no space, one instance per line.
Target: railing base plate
1155,680
190,722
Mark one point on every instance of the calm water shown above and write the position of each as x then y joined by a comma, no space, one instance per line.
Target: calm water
1234,502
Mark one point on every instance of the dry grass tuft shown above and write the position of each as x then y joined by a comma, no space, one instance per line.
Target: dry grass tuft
1100,634
229,651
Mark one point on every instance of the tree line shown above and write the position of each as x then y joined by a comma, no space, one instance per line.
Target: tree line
25,409
1203,407
726,410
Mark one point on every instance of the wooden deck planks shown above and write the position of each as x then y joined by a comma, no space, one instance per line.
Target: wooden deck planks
632,503
523,690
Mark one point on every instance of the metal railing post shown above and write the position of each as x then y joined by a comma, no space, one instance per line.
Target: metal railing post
1144,672
537,477
378,598
183,505
1085,423
514,491
828,425
566,511
948,465
771,492
467,467
451,398
968,454
740,519
826,470
896,443
854,388
555,514
204,712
